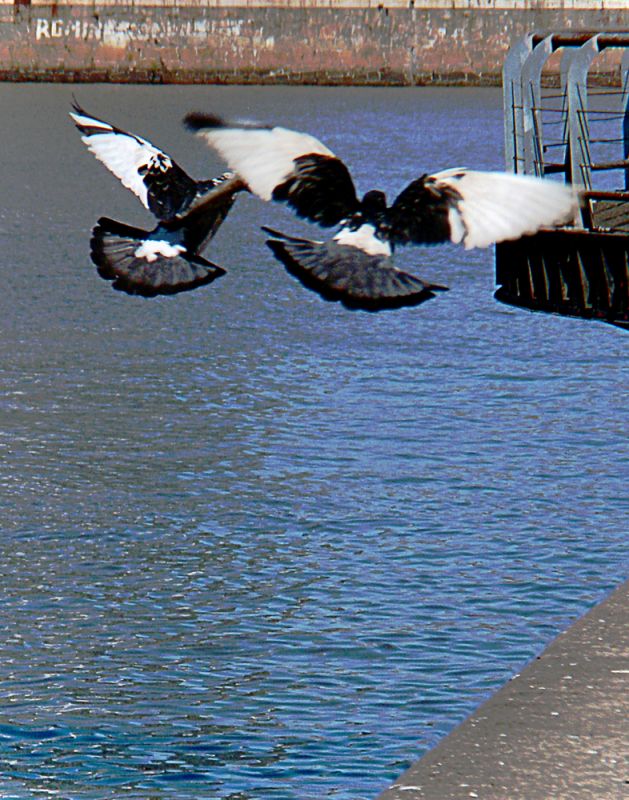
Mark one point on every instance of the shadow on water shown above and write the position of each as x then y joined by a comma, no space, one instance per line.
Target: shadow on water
254,545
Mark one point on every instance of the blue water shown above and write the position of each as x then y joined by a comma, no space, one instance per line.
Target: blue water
255,546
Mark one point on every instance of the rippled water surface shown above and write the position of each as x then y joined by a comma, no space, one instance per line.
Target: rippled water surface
255,546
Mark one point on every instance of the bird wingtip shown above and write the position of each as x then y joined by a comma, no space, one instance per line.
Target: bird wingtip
76,106
272,232
198,120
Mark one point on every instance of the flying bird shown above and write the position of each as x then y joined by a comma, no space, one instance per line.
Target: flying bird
355,267
164,260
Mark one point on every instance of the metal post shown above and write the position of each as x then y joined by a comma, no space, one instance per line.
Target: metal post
624,78
566,60
531,107
512,103
580,167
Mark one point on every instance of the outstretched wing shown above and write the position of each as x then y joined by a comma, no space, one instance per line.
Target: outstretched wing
283,165
477,209
348,274
160,184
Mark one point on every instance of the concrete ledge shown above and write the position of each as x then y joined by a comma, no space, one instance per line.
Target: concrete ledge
557,731
471,5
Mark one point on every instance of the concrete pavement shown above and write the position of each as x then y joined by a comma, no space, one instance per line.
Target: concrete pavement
557,731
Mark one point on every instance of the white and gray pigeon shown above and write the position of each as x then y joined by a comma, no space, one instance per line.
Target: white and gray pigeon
166,259
355,267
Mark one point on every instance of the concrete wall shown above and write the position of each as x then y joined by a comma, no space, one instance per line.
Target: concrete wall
244,41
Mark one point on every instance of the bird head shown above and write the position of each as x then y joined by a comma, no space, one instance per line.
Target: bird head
373,204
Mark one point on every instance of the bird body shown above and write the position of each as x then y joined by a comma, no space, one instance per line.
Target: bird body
152,249
462,206
166,259
365,239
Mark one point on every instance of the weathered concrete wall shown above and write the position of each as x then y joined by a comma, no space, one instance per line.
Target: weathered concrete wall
352,41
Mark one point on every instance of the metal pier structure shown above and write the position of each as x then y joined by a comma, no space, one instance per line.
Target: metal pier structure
577,132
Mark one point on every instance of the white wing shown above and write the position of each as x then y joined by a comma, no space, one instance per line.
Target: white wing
262,156
122,153
496,206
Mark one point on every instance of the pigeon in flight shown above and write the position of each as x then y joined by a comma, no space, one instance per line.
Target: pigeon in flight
166,259
355,267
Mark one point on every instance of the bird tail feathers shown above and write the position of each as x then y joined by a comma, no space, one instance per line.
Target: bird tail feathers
139,262
348,275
